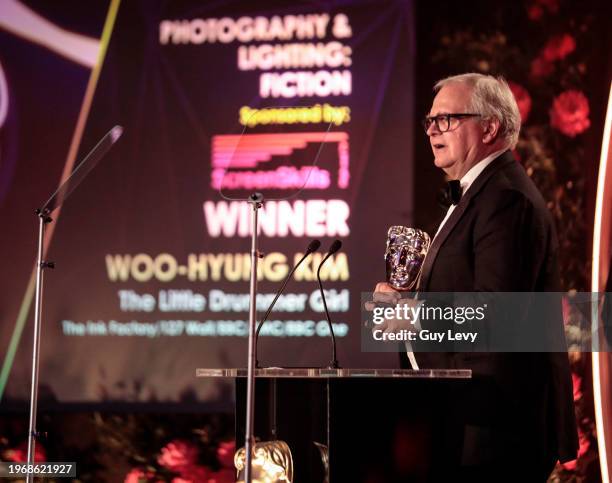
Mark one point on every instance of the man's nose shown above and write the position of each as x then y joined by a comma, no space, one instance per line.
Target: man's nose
433,130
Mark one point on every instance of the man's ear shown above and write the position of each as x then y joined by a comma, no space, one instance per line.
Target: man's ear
491,129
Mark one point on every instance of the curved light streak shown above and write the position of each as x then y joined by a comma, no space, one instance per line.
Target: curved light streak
596,287
26,23
4,97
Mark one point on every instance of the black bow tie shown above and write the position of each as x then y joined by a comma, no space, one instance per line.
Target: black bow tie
453,191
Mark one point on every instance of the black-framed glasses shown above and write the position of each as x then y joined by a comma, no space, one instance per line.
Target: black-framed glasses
443,121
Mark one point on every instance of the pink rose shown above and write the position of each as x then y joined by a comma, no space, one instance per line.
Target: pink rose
523,100
178,455
20,453
138,475
570,113
584,444
540,68
570,465
559,47
225,453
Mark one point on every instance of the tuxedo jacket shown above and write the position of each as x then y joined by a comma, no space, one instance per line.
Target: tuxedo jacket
501,238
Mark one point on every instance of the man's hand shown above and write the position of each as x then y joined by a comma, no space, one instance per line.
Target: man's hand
387,296
384,294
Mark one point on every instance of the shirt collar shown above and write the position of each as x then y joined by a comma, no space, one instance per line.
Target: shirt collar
469,177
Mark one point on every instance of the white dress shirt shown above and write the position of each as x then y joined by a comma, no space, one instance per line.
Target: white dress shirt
465,182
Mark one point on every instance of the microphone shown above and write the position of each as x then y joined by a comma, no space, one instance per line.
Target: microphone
312,247
335,246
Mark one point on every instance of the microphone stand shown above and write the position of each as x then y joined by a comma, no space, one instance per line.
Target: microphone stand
65,189
43,219
256,202
336,245
313,247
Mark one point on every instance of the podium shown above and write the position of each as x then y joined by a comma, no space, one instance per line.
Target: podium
354,424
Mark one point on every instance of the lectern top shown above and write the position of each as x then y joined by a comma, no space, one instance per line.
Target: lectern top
329,373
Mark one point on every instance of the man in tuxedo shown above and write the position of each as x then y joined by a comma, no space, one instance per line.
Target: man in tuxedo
515,417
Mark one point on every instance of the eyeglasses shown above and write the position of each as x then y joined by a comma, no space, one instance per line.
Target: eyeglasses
443,121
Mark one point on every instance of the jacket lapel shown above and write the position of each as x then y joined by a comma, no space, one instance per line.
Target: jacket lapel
460,209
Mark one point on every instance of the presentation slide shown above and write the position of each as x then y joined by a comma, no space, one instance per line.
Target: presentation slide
311,108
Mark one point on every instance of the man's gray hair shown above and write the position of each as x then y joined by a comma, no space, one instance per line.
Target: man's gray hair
491,98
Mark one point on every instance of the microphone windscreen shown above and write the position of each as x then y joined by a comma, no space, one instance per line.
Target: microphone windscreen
116,133
314,246
335,247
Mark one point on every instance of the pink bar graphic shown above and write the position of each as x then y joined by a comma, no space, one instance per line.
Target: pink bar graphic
247,150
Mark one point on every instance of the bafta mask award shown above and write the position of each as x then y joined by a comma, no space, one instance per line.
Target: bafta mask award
406,250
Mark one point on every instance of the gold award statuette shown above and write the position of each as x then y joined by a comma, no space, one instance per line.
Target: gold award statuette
272,463
404,256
